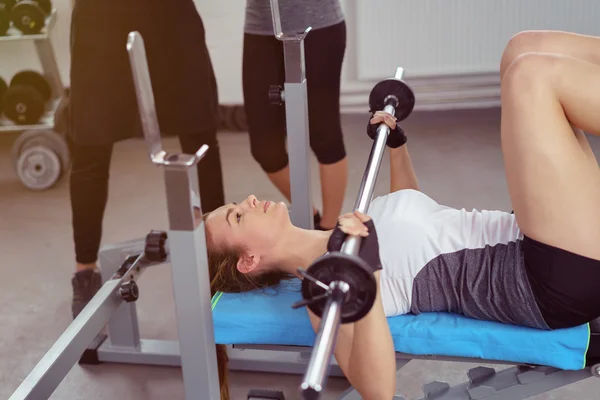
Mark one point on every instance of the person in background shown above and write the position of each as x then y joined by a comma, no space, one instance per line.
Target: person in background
103,108
263,66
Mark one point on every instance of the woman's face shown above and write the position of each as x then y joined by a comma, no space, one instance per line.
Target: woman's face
254,225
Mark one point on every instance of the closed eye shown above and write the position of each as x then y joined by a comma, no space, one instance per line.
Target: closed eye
238,217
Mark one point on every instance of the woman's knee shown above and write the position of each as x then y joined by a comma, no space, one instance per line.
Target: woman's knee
530,74
522,43
328,150
271,158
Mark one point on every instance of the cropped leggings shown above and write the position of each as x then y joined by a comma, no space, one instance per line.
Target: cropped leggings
89,188
264,65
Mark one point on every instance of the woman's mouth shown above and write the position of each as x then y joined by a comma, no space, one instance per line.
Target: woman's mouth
267,204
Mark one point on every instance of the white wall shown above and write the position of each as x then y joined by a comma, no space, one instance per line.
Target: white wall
224,29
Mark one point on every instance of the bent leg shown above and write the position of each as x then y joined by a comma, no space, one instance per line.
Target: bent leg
583,47
554,188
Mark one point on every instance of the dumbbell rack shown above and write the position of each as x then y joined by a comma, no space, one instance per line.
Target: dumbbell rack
49,65
48,60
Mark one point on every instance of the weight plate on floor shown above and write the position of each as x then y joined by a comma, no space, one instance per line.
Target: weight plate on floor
38,168
35,80
23,105
46,138
28,17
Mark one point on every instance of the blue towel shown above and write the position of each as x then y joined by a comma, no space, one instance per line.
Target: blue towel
266,317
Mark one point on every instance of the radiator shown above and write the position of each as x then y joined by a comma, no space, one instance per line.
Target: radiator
440,38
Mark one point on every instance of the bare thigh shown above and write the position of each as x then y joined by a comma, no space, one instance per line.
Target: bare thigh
583,47
554,185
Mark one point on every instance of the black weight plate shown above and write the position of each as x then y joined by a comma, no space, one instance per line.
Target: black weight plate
393,87
341,267
23,105
35,80
45,5
28,17
3,87
4,21
46,138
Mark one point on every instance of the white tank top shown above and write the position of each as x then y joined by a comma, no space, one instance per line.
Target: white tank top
438,258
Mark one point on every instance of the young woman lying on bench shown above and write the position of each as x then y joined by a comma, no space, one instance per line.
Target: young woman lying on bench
538,268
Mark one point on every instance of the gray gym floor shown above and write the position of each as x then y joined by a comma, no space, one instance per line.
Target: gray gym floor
457,158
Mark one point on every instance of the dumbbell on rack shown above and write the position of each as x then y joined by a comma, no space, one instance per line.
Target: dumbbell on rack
5,7
24,101
28,16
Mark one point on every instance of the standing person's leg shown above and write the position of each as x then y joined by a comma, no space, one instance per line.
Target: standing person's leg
89,194
325,50
102,111
210,172
554,188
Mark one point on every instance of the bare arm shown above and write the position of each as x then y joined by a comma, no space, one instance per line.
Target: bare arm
402,173
365,352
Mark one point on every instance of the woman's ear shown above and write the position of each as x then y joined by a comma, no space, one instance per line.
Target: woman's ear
247,263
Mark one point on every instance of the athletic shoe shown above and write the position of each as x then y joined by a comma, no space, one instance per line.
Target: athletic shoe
86,284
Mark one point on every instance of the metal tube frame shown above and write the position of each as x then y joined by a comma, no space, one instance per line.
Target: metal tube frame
43,380
189,259
296,111
314,379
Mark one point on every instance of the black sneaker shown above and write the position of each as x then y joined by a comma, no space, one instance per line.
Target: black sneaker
86,284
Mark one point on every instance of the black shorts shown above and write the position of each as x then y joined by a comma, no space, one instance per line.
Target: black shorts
264,65
565,285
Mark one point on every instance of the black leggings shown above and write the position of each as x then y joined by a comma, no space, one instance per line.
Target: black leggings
89,188
263,66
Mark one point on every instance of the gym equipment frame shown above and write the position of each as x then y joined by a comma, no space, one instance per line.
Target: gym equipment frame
294,95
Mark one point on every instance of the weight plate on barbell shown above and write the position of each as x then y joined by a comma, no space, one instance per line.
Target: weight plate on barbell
355,272
23,105
38,168
28,17
393,87
46,138
35,80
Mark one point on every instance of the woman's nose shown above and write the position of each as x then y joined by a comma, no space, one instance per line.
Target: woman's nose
251,201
